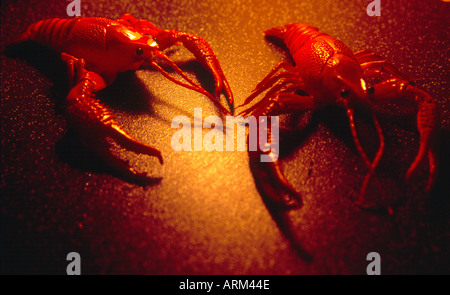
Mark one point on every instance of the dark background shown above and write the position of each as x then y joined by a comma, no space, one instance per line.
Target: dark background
206,216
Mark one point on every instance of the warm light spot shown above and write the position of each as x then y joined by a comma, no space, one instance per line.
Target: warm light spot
363,84
132,35
152,43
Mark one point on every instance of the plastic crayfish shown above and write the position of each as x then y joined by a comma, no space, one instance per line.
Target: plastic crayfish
327,72
96,50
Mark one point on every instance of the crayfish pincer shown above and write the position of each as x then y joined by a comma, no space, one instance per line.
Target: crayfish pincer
327,72
95,51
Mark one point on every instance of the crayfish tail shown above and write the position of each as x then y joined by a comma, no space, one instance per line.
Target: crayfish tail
276,32
19,39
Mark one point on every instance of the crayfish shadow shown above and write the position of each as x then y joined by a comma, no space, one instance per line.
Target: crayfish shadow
204,77
296,127
47,62
440,201
283,220
128,94
70,150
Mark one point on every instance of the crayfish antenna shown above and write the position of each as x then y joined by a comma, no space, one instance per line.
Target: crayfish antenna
190,85
373,167
426,147
370,165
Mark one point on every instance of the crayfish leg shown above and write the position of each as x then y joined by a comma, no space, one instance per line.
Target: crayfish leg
272,77
428,120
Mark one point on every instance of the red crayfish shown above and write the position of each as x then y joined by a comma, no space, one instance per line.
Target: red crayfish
96,50
327,72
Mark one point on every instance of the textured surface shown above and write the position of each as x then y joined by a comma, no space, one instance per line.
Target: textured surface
206,216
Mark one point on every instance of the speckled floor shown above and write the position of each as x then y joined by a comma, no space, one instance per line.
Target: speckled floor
206,216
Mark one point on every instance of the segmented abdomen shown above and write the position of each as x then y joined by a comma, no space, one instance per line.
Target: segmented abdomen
311,50
304,41
296,35
54,33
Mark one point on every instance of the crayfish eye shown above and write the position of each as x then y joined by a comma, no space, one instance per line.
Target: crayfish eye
345,93
139,51
371,90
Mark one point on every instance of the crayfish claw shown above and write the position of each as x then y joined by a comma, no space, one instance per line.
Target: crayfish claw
195,44
273,185
190,85
203,54
95,123
96,138
122,166
129,143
